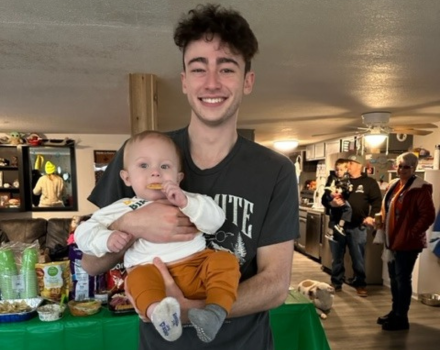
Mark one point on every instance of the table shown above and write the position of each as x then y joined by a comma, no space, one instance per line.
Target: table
295,326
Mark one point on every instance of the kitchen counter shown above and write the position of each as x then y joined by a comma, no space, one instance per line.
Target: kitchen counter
311,209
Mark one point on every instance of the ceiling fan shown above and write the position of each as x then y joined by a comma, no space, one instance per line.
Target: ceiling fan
378,123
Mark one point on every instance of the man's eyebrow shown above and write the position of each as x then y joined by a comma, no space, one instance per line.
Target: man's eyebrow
198,59
226,60
219,60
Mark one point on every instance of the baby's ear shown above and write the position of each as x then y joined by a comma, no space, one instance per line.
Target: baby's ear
180,177
124,176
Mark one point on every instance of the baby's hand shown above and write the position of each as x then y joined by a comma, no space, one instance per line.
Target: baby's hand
117,241
174,194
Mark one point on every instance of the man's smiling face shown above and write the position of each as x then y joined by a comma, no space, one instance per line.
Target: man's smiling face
214,81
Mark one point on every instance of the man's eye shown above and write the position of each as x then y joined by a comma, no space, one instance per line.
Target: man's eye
227,70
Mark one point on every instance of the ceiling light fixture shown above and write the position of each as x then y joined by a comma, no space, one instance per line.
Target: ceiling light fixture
375,138
285,145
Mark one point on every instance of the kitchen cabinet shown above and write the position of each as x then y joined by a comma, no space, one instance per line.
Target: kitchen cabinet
310,152
319,150
332,147
11,179
315,151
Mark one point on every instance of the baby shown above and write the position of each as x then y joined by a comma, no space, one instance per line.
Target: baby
339,186
152,167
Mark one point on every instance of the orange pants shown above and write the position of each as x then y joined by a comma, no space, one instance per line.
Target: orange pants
211,275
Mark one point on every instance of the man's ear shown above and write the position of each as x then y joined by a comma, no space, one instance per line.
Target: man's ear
249,80
180,177
183,81
124,176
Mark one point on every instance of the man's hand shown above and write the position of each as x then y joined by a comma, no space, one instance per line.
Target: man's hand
118,240
337,202
173,290
158,222
369,221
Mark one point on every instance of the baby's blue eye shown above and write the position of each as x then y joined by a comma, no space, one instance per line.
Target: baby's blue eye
144,165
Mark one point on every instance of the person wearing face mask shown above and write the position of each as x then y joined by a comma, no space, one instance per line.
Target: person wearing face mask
407,212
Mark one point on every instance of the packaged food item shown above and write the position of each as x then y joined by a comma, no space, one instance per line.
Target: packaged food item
116,278
83,285
53,279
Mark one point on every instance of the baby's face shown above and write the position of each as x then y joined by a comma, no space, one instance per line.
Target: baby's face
151,161
340,170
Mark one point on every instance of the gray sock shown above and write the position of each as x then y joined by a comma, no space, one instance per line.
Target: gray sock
207,321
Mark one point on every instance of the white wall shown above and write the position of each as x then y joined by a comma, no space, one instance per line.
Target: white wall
85,144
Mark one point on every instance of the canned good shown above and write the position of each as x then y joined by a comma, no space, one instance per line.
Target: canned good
378,219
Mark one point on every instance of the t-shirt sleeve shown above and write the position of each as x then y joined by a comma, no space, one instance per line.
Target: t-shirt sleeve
282,219
110,186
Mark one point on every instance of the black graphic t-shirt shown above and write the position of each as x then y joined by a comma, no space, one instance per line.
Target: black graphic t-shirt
257,189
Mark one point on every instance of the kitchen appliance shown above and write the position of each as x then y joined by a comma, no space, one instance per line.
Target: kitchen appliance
313,233
300,243
306,197
325,253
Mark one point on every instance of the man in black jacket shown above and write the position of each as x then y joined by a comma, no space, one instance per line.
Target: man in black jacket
365,199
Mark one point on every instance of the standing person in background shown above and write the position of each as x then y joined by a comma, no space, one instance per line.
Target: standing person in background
338,186
256,187
50,187
407,212
365,200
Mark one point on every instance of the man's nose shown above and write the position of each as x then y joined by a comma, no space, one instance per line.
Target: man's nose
212,80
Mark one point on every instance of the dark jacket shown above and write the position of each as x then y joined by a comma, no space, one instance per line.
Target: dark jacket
417,214
365,199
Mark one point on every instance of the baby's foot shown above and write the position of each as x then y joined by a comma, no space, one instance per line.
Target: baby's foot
207,321
166,319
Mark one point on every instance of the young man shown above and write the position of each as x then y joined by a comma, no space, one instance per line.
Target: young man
255,186
365,200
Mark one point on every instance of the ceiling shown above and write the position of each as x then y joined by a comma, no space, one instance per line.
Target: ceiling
64,65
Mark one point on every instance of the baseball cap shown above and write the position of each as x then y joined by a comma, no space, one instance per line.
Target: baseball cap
356,158
49,168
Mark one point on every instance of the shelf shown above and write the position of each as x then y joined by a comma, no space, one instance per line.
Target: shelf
8,168
9,189
10,210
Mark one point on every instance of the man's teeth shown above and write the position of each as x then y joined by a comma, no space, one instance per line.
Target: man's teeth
212,100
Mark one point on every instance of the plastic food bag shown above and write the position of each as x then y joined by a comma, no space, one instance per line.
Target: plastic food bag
53,279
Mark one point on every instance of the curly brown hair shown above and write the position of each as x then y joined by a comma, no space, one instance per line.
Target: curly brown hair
213,20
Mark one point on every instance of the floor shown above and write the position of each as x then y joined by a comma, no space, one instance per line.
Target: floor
352,322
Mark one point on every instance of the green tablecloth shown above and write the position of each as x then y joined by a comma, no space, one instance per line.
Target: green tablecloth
295,326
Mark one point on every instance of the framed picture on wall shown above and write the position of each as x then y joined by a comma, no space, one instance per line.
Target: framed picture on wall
102,159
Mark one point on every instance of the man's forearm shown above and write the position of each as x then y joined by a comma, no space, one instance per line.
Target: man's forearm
270,286
95,266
